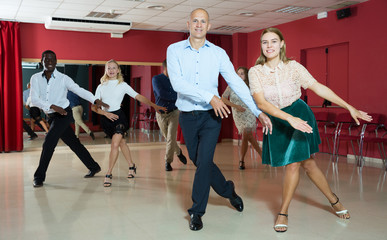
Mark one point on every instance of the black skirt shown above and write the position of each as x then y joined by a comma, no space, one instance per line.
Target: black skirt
120,126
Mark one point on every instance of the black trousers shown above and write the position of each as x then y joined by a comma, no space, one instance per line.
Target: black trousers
201,131
35,113
28,129
60,129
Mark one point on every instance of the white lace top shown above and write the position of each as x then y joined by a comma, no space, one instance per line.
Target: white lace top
281,86
244,121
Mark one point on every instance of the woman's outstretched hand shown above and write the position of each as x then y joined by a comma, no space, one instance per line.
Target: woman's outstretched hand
299,124
356,115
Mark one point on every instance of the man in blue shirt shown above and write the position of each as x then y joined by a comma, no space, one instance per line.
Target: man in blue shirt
168,121
193,67
77,109
27,128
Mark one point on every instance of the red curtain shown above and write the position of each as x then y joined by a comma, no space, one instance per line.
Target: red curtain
11,104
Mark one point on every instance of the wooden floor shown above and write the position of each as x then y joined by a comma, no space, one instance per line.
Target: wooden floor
154,204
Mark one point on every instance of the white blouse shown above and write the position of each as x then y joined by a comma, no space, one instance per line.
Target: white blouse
113,93
281,86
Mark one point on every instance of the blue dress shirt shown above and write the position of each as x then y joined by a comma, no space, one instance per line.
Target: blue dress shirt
164,94
26,94
194,76
73,99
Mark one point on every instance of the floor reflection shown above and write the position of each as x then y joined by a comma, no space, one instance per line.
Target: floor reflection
154,204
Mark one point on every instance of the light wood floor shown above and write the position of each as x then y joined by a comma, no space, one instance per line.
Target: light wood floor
154,204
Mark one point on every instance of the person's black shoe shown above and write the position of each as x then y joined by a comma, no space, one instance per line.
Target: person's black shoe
37,183
195,223
92,135
168,167
235,200
182,158
91,173
33,137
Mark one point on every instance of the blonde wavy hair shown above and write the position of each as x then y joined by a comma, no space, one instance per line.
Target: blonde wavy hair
105,77
262,59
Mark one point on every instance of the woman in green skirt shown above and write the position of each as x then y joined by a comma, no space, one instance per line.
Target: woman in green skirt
275,83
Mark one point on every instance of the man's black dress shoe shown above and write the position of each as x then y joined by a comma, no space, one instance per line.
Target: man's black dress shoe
91,173
37,183
92,135
168,167
33,137
196,222
182,158
235,200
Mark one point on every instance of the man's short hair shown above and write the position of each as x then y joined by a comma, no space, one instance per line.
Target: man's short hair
165,63
48,52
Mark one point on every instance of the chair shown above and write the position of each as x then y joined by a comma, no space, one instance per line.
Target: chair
153,120
346,130
144,119
133,123
374,132
327,127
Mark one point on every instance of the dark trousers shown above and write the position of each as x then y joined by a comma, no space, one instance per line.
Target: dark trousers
201,131
60,129
28,129
35,113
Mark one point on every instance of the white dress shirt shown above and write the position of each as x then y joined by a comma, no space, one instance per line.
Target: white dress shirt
54,92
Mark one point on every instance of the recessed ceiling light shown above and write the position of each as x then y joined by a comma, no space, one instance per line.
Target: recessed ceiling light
247,14
292,9
229,28
156,7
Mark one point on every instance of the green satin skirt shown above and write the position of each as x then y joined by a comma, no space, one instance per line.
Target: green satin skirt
287,145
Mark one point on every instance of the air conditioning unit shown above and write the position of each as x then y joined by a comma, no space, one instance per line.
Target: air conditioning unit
85,25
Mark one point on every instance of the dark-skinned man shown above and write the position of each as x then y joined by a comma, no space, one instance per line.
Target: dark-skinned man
49,93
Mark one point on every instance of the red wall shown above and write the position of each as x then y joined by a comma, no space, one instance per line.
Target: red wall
145,73
136,46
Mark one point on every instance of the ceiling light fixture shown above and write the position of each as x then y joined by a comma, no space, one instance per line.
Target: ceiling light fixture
292,9
247,14
228,28
156,7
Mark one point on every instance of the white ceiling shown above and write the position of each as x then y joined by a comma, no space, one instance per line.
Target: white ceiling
174,15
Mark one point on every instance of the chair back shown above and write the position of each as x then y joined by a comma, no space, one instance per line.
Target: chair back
347,125
371,129
325,121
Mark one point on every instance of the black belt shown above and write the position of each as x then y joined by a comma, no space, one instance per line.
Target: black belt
55,114
197,111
